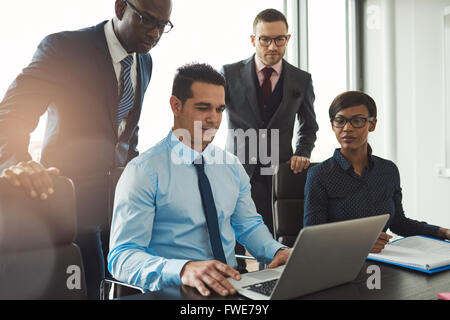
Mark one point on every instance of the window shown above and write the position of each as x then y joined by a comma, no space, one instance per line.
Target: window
445,172
26,23
212,31
327,59
216,32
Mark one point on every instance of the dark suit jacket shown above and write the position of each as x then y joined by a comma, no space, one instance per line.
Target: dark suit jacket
72,77
244,111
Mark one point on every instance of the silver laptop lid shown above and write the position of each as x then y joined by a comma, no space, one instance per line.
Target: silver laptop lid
328,255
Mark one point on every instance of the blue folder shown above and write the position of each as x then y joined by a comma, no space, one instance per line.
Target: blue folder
429,271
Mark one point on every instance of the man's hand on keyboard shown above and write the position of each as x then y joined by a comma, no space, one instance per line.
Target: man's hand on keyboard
212,274
280,257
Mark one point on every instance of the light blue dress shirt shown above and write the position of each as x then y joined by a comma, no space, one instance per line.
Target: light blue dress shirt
159,224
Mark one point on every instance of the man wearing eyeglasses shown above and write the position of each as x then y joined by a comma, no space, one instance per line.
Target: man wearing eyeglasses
91,82
266,92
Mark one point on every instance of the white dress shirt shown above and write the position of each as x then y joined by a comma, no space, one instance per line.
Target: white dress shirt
118,53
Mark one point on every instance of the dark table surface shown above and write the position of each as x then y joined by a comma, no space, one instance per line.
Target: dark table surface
397,283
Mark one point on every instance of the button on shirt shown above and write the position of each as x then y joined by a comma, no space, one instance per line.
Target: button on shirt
334,192
159,224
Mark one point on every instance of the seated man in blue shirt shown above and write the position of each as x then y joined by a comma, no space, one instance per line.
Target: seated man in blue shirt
181,206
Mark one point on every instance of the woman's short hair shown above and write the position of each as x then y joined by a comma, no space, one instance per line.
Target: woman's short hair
194,72
352,99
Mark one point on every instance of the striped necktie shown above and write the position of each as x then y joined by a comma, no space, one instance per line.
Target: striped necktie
127,93
210,211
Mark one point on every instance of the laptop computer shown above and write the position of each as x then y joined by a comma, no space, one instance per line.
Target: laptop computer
323,256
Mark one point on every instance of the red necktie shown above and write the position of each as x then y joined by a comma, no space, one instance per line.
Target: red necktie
267,84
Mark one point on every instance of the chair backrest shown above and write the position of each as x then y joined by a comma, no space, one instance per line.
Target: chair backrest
113,177
119,289
38,259
288,198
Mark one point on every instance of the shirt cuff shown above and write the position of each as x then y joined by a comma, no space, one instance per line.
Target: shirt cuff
273,249
172,270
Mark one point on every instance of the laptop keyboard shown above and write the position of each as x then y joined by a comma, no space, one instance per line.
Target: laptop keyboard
264,288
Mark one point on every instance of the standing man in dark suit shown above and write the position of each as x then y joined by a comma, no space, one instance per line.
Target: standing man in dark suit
92,84
263,93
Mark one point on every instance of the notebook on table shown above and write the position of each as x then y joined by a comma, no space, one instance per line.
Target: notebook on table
323,256
417,252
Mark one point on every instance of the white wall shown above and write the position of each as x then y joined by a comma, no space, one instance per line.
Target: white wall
403,72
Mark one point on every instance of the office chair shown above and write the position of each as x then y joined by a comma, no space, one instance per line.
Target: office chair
111,288
38,259
288,199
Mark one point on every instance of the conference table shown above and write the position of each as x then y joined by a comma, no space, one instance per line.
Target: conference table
395,283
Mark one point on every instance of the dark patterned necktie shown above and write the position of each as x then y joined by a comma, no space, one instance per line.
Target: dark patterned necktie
127,93
210,211
267,84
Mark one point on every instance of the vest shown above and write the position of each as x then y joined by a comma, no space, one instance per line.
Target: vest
268,108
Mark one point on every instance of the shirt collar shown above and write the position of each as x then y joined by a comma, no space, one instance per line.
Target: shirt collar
278,67
117,51
346,165
181,153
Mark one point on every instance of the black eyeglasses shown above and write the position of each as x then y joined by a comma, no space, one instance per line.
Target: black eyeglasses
356,122
266,41
151,22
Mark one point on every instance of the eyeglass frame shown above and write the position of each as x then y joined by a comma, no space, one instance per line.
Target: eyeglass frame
146,21
366,120
285,36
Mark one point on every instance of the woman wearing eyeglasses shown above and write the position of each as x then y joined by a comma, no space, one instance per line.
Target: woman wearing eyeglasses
354,183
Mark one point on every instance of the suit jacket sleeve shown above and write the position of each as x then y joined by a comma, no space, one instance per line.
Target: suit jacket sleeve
306,134
25,101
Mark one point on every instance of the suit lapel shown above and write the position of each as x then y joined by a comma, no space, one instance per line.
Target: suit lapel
248,74
107,76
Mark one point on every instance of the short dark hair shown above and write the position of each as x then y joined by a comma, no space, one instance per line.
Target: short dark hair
270,15
352,99
194,72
